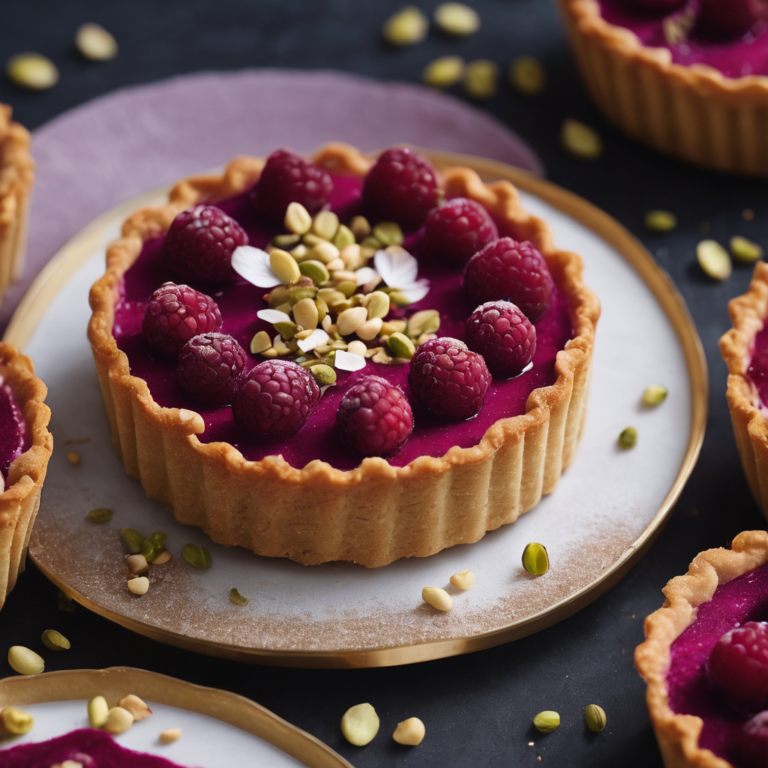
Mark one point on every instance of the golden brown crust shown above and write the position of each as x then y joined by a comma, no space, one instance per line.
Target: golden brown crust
678,735
20,500
17,171
376,513
750,426
694,111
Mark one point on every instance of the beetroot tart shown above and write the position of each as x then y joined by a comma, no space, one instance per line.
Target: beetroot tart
17,170
745,351
705,660
25,448
687,77
343,359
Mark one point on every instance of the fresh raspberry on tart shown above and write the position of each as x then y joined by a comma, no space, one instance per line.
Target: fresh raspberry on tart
209,367
750,750
200,243
456,230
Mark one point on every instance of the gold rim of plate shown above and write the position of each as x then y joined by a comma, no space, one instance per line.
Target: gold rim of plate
115,682
79,249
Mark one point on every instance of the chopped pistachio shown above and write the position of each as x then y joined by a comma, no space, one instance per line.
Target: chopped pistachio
393,326
133,540
153,546
287,330
581,140
480,78
343,237
660,221
278,296
324,375
95,43
325,225
260,342
300,252
456,19
714,259
406,27
527,76
399,299
401,346
546,721
628,438
388,233
426,321
236,598
286,241
99,516
443,72
197,556
298,292
33,71
655,394
55,641
745,251
595,718
324,252
536,559
360,227
377,304
284,266
297,219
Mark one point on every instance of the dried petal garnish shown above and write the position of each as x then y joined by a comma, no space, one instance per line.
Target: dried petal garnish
581,140
252,264
273,316
316,339
197,556
398,269
95,43
345,361
660,221
536,559
745,251
406,27
236,598
527,76
714,259
443,72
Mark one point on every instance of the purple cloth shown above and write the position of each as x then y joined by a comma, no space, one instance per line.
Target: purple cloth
135,139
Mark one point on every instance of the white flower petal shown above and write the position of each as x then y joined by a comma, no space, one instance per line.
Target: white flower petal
273,316
346,361
396,266
315,339
365,275
416,291
252,264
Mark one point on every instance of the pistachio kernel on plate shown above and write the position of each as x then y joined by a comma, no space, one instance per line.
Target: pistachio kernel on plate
595,718
132,539
714,260
536,559
456,19
745,251
628,438
655,394
408,26
197,556
546,721
443,72
527,76
581,140
236,598
660,221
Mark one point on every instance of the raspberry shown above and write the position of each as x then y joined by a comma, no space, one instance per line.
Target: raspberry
750,747
209,366
448,379
455,231
401,187
274,399
288,178
375,417
732,19
657,6
738,666
200,242
175,314
503,335
510,270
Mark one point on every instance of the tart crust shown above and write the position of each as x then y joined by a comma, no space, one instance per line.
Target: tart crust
20,500
374,514
17,172
694,112
678,735
750,425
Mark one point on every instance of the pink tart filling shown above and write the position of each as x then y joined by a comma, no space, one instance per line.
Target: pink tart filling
13,432
91,748
320,439
739,601
757,372
733,56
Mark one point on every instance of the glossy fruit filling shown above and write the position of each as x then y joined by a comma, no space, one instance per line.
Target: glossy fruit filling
13,432
239,301
757,372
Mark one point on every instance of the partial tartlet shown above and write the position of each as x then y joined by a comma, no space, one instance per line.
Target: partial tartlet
748,415
23,481
17,173
722,591
375,513
692,111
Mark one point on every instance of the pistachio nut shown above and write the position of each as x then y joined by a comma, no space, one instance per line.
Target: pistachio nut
197,556
399,299
480,78
287,330
628,438
260,342
315,270
406,27
343,237
324,375
388,233
298,292
325,225
426,321
347,287
297,219
324,252
278,296
401,346
284,266
360,227
377,304
581,140
99,516
656,394
443,72
286,241
546,721
595,718
133,540
745,251
33,71
660,221
527,76
55,641
536,559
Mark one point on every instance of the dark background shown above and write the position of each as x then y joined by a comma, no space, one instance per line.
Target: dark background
477,708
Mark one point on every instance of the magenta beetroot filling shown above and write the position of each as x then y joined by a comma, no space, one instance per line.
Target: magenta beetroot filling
743,599
318,439
92,748
747,55
13,431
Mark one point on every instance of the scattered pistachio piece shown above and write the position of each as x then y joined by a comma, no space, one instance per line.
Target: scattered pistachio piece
377,304
297,219
410,732
137,564
360,724
463,579
351,319
33,71
305,314
99,516
14,722
98,710
286,241
480,79
153,545
655,394
118,721
443,72
64,602
170,735
546,721
456,19
95,43
324,252
437,598
139,585
236,598
406,27
324,375
426,321
163,557
360,227
401,346
714,259
527,76
399,299
745,251
73,458
595,717
284,266
660,221
24,661
260,342
628,438
343,237
325,225
55,641
136,706
536,559
197,556
581,140
133,540
388,233
287,330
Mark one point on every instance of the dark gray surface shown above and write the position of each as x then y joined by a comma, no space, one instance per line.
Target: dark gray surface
477,708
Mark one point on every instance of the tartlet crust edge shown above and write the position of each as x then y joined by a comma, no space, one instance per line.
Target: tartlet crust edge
694,112
376,513
678,735
20,501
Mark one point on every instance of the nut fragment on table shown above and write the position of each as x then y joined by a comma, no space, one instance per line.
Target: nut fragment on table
527,76
95,43
745,251
628,438
136,706
410,732
360,724
55,641
406,27
24,661
438,598
456,19
714,260
170,735
139,585
463,580
546,721
660,221
595,718
99,516
443,72
581,140
480,79
33,71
